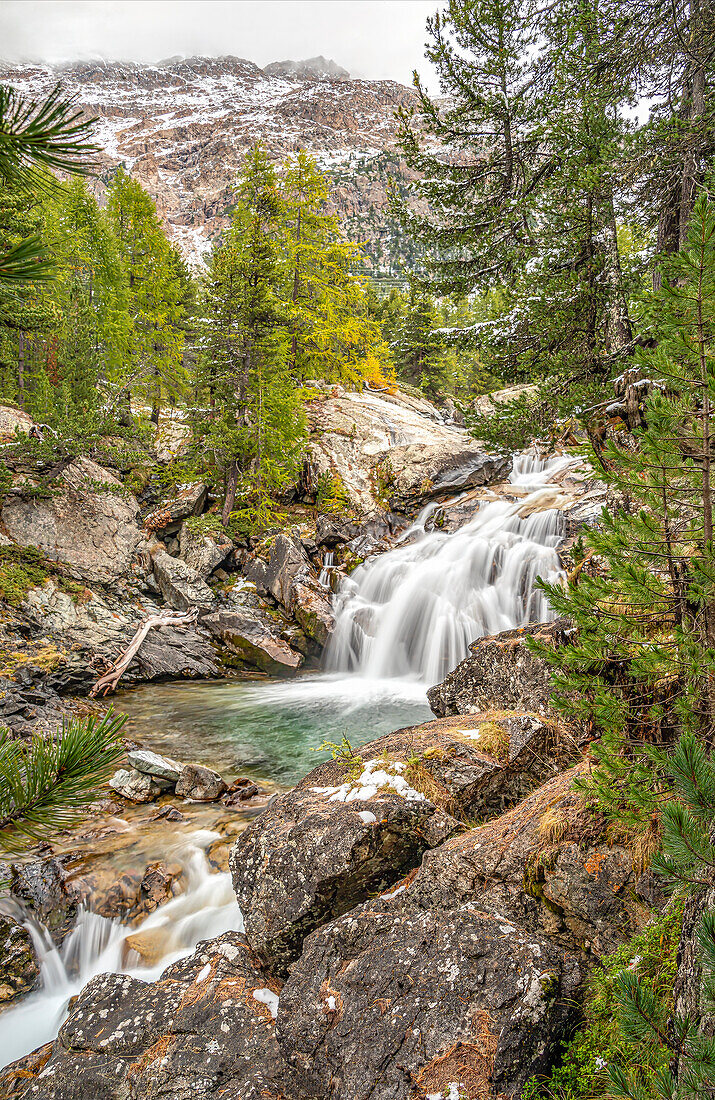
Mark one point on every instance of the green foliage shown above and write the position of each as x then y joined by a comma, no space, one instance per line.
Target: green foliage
342,751
331,495
45,784
640,667
581,1072
25,567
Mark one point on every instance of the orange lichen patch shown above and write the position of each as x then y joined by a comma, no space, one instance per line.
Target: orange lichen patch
154,1053
15,1077
595,862
468,1064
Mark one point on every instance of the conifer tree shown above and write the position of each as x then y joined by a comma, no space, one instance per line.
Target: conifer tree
156,282
253,425
642,666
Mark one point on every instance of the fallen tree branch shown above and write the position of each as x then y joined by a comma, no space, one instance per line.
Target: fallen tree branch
113,675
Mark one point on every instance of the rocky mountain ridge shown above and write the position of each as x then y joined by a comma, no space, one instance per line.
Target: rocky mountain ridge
182,127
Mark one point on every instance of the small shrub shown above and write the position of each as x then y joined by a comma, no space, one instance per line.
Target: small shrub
331,495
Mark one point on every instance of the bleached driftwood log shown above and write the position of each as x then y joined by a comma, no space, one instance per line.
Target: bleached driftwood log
113,675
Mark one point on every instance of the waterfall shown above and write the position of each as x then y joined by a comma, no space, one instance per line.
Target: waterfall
97,945
413,611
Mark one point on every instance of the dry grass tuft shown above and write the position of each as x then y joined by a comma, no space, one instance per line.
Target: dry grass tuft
470,1065
553,826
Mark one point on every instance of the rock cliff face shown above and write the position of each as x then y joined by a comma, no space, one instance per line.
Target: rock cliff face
182,128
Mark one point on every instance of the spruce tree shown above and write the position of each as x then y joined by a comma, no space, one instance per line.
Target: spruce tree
156,293
253,426
641,668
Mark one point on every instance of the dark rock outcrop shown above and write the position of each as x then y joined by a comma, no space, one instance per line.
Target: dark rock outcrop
418,473
19,969
500,667
205,1026
394,1002
288,576
181,586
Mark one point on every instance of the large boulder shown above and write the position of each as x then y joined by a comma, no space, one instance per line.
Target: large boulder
254,640
181,586
502,671
319,850
205,1028
352,434
202,551
395,1002
89,522
15,420
19,969
354,826
417,473
200,784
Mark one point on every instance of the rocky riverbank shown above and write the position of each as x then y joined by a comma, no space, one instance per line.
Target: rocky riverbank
420,915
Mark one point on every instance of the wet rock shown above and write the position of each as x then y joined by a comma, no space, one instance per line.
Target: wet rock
394,1001
19,969
205,1028
93,531
254,639
180,585
289,577
136,786
500,671
41,886
419,473
157,885
312,609
203,552
343,833
151,763
199,783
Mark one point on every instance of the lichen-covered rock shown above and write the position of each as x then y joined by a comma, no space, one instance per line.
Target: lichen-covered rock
353,827
547,864
500,671
324,847
181,586
19,969
137,786
205,1028
394,1002
200,784
254,639
311,608
289,577
89,523
203,552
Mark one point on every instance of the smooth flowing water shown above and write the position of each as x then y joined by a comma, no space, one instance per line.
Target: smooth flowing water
98,946
403,620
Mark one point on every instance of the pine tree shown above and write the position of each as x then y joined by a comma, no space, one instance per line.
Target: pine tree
642,667
417,347
156,293
333,335
253,425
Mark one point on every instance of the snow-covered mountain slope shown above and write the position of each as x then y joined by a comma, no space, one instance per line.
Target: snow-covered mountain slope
182,127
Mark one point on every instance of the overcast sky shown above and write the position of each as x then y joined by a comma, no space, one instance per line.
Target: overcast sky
372,38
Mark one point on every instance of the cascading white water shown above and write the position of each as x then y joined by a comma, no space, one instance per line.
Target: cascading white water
97,945
413,611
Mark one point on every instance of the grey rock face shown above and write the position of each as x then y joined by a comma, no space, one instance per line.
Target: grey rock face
93,531
500,669
205,1026
203,552
181,586
392,1002
289,577
254,640
188,501
19,969
151,763
420,473
199,783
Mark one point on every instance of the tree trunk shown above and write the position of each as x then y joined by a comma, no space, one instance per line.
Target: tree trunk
231,486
